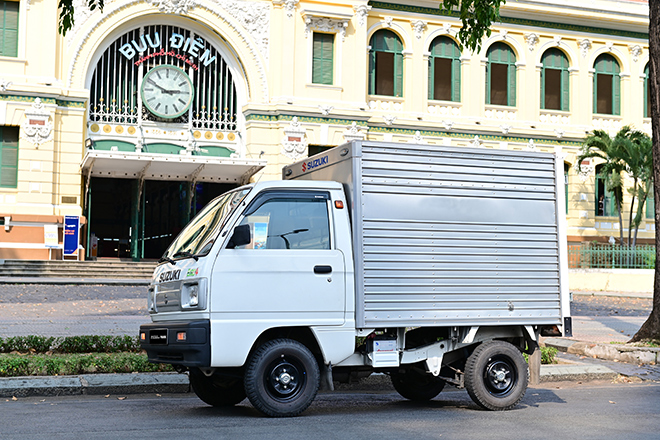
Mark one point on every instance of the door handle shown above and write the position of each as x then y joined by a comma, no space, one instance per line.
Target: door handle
322,269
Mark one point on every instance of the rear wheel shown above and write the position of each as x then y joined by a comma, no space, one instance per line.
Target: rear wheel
496,375
414,384
217,390
282,378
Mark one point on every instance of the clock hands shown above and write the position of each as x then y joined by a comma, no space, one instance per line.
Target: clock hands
169,92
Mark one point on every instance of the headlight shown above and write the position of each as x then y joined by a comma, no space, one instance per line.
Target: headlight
193,295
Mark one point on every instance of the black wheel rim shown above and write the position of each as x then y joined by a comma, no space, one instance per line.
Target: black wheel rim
500,376
285,378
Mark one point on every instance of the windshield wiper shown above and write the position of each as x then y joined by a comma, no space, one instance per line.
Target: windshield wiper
169,260
186,254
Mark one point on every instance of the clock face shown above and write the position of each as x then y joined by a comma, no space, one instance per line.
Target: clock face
167,91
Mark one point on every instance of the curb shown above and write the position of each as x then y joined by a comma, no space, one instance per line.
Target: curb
613,352
94,384
80,281
146,383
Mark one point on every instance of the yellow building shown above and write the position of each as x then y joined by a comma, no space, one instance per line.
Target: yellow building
144,112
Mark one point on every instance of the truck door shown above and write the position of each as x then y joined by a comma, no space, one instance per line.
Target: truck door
290,271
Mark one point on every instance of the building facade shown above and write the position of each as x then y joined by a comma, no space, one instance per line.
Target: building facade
142,113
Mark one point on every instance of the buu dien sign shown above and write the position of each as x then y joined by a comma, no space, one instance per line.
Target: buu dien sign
184,48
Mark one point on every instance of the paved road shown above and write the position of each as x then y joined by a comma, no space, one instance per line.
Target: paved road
561,411
66,310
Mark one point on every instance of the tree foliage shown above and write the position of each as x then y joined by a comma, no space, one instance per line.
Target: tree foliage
67,10
476,16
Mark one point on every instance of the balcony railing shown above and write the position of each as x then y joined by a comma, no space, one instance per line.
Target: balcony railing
600,256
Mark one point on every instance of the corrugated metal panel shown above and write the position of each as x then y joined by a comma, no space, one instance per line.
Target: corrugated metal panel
449,236
457,237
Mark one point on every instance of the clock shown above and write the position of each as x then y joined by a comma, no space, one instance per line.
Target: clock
167,91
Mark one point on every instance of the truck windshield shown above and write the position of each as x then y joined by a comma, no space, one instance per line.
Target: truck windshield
198,236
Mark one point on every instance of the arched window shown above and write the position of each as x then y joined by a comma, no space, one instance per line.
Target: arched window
605,203
607,86
445,70
501,75
385,64
554,81
647,92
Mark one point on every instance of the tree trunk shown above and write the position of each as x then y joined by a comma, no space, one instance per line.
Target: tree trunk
651,328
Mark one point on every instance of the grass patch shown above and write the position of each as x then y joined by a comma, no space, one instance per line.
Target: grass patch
12,365
548,356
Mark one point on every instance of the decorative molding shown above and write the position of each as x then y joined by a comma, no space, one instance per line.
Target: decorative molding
387,22
389,119
178,7
476,142
531,146
326,109
559,133
288,5
444,110
557,40
504,33
505,129
4,85
294,142
449,125
609,46
362,11
532,40
419,27
355,133
446,28
584,170
585,45
417,138
37,127
325,24
635,51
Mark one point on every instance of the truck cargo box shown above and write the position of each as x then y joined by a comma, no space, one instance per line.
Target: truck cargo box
451,236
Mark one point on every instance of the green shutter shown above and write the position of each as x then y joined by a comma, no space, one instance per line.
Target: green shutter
511,98
398,74
431,69
595,92
8,28
488,83
565,90
543,86
616,95
372,71
456,80
9,157
322,58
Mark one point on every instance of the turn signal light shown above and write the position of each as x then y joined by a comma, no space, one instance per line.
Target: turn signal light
339,204
181,336
143,336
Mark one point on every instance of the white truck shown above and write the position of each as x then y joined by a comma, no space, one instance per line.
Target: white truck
431,264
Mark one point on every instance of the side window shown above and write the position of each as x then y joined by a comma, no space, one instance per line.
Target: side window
501,75
605,203
554,81
385,64
445,70
322,55
289,223
607,86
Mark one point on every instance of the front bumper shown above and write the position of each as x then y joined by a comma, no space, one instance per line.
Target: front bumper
164,344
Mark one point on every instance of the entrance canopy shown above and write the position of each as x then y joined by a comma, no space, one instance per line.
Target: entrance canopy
153,166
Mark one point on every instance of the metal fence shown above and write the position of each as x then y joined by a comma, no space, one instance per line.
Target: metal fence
601,256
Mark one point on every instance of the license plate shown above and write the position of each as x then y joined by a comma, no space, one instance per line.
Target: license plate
158,337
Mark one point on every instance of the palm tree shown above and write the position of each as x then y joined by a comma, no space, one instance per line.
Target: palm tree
600,145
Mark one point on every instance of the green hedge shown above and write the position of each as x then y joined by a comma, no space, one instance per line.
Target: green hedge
12,365
70,344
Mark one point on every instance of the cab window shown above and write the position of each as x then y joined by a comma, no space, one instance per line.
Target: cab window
289,223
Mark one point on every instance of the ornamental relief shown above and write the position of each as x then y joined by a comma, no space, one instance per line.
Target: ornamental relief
253,16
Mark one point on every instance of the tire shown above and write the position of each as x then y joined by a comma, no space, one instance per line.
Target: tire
416,385
217,390
496,376
282,378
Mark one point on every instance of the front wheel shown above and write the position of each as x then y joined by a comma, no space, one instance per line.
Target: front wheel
282,378
217,390
496,375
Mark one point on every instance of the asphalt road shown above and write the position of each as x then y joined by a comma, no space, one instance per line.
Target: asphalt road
561,411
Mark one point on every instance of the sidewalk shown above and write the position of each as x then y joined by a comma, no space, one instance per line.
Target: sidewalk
126,311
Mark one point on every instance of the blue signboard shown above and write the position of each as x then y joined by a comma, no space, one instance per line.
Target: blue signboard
71,228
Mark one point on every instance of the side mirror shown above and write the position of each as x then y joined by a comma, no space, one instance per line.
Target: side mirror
240,237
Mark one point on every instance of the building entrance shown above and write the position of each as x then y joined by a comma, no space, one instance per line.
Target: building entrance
127,223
